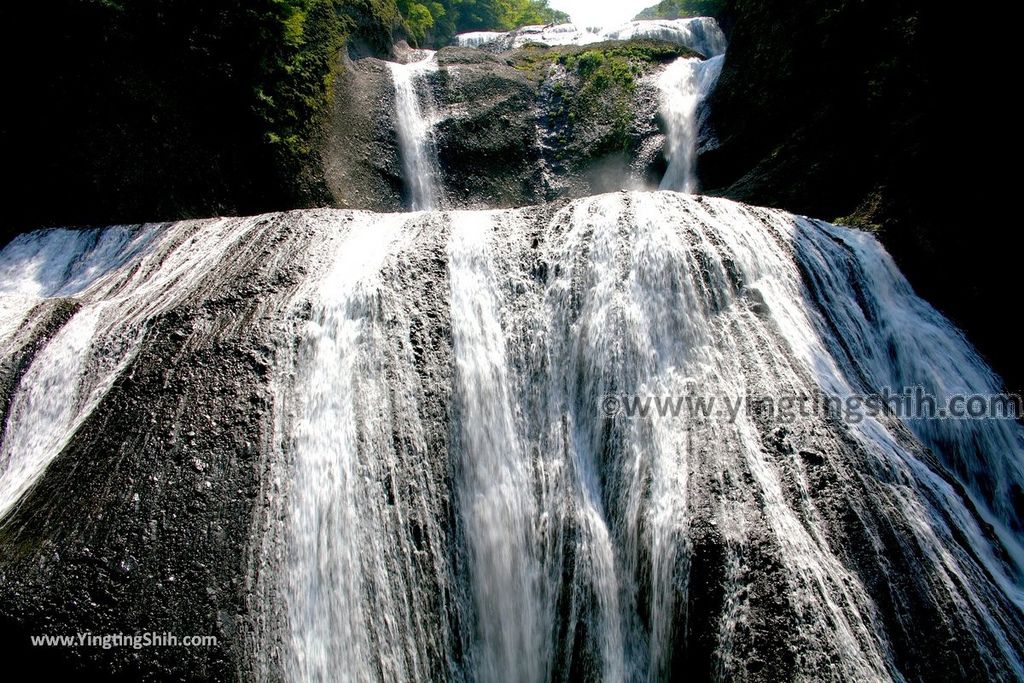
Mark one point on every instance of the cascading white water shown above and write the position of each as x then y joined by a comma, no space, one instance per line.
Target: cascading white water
559,34
478,38
701,34
415,138
117,280
498,503
581,532
57,263
461,505
684,86
930,355
330,638
367,576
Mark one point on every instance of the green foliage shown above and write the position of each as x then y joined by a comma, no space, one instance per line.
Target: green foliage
419,19
607,85
602,72
538,12
146,109
679,9
293,84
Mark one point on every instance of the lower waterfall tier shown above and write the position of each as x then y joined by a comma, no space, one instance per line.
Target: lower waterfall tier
408,447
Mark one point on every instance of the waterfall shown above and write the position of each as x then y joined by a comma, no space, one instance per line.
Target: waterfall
684,85
478,38
365,568
419,159
109,285
586,537
330,631
466,497
701,34
498,502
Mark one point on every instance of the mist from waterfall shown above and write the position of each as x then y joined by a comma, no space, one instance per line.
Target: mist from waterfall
414,128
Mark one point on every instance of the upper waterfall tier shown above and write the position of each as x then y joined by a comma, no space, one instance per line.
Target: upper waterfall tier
701,34
415,135
465,129
412,447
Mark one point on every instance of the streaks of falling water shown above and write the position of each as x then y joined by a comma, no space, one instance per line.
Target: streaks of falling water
585,536
638,304
581,306
120,278
367,585
59,263
684,85
498,505
43,412
330,636
862,334
642,318
701,34
415,133
863,293
34,267
821,584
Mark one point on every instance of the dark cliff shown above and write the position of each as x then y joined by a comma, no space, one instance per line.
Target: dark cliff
875,114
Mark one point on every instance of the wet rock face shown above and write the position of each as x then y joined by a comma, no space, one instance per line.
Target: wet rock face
563,122
599,145
159,549
165,511
146,522
486,131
